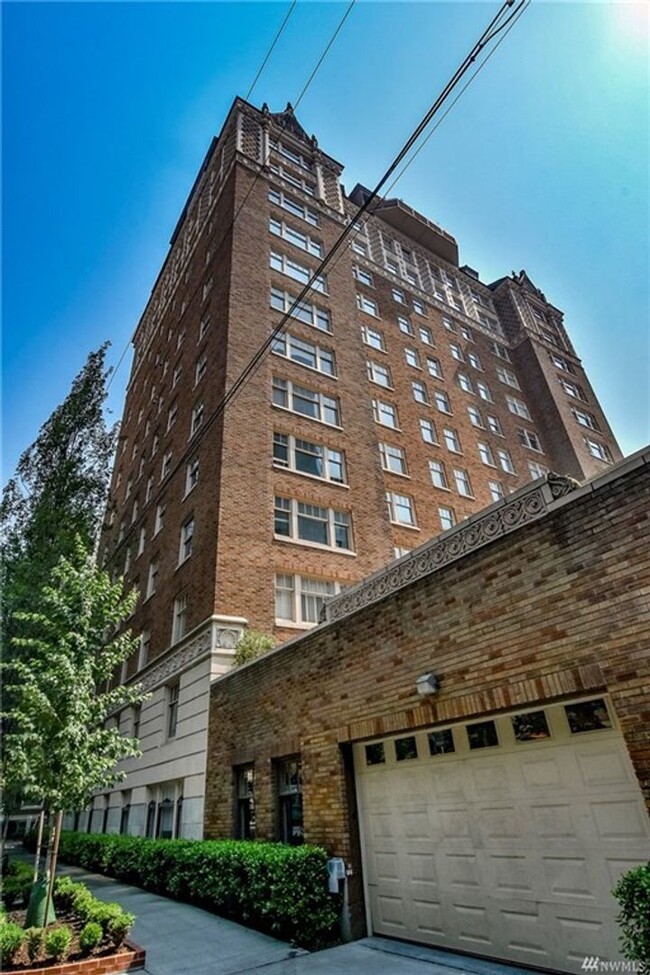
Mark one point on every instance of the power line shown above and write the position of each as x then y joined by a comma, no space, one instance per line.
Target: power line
270,50
324,54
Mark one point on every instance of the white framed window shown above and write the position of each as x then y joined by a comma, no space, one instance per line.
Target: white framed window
518,407
307,402
134,512
500,350
306,354
173,692
298,272
488,323
297,181
434,368
143,461
385,414
475,417
447,518
142,539
293,206
404,325
438,474
128,488
400,508
466,333
391,265
367,305
152,578
560,362
200,368
127,560
304,311
311,523
187,539
399,551
485,453
419,306
457,352
398,296
484,391
452,440
207,288
291,154
428,431
204,325
160,518
299,599
598,449
442,401
121,531
420,394
373,338
463,485
305,457
379,374
412,358
474,361
295,237
176,375
496,490
198,415
393,459
448,324
359,247
507,377
506,461
179,618
172,414
585,419
363,276
425,335
573,390
154,444
465,382
191,475
166,465
494,425
536,470
527,438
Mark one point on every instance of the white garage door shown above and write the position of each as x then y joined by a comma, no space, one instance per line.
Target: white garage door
503,837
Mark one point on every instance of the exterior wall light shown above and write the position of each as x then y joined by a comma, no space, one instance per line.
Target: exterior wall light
427,684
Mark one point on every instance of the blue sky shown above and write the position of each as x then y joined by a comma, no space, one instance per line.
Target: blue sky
108,109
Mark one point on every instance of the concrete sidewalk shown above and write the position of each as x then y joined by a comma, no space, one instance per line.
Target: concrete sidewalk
184,940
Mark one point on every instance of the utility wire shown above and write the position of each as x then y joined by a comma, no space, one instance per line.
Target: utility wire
270,50
324,54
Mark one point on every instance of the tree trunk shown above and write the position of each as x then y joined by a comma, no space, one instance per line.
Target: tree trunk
39,844
54,847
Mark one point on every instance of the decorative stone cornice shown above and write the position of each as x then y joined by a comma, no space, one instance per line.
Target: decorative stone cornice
218,636
521,508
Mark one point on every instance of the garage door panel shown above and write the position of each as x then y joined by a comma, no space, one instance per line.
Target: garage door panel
510,874
604,767
568,878
618,821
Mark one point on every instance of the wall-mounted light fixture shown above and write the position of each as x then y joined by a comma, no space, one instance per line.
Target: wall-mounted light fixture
427,684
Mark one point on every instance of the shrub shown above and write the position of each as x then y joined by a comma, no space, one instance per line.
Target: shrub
33,942
633,894
118,927
11,940
16,883
90,936
251,645
57,942
273,887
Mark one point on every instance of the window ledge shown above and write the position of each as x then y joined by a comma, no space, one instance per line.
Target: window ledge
313,419
316,545
312,477
400,524
303,365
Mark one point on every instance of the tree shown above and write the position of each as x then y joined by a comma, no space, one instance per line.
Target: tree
57,746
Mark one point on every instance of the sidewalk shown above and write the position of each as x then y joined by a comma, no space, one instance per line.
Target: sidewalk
184,940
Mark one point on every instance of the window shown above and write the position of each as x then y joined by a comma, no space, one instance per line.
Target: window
365,277
597,449
560,362
447,518
292,206
245,801
204,325
452,441
485,453
293,156
475,416
420,394
391,265
122,529
127,560
507,377
448,324
419,307
404,325
160,517
400,508
128,488
434,368
198,415
463,485
142,539
296,237
393,459
518,407
496,490
191,475
304,311
152,578
305,457
585,419
143,649
536,470
359,247
290,801
438,474
398,296
457,352
300,599
304,353
484,391
173,694
488,322
367,305
187,540
573,390
499,350
179,619
385,414
465,382
399,551
300,273
506,461
412,358
378,374
528,439
494,424
171,416
428,431
154,444
134,512
149,489
425,335
307,402
466,333
207,288
474,361
442,401
200,369
373,338
312,523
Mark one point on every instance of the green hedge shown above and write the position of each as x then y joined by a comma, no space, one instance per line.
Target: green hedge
633,894
275,888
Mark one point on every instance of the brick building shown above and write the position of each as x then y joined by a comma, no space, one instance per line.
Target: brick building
495,814
404,395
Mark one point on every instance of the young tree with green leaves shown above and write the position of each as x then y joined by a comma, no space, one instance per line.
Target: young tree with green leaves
57,746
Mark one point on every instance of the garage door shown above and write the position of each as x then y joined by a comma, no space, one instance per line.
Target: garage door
503,837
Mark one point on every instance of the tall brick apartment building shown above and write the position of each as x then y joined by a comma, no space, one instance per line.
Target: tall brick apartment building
404,395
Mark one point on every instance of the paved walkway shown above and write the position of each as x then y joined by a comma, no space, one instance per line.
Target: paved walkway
184,940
